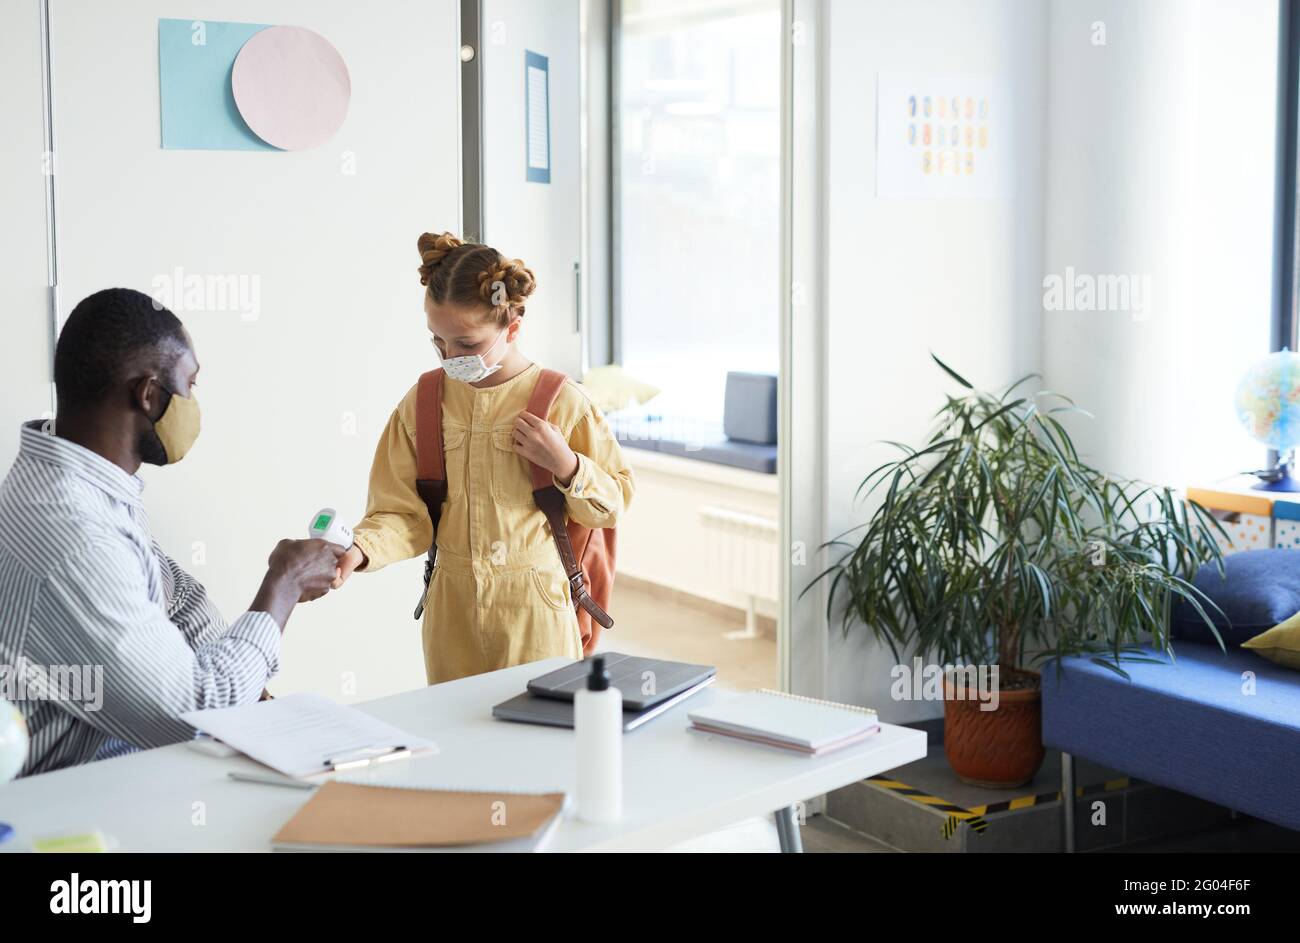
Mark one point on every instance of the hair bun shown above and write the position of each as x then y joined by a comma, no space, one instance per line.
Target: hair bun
509,282
434,247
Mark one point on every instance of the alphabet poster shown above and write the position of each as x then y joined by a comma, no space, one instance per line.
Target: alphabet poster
942,135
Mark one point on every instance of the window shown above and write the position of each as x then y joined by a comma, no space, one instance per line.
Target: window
699,194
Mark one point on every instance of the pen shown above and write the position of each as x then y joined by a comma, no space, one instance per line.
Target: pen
268,779
379,755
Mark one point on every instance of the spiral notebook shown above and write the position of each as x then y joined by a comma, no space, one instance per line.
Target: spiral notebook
343,816
800,724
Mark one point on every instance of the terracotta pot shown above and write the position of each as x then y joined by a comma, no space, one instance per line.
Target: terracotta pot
1000,748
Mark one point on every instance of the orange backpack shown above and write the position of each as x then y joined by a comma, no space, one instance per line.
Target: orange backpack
587,554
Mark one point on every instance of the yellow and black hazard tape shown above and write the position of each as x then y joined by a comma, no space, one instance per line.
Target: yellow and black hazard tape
956,814
974,815
1024,802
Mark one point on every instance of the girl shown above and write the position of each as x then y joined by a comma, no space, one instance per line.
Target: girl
498,595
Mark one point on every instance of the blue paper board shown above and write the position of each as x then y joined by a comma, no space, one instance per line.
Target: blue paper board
197,106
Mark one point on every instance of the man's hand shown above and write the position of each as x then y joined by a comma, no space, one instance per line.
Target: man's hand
349,562
310,565
540,442
297,571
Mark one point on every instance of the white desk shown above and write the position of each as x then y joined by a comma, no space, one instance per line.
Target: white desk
677,784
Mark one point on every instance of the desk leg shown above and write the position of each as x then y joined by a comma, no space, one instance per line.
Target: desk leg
787,830
1067,803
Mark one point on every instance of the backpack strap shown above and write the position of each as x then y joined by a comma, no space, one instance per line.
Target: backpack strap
547,389
430,469
550,501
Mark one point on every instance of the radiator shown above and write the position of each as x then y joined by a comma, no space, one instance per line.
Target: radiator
742,559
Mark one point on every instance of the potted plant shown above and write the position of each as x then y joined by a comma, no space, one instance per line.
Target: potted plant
995,544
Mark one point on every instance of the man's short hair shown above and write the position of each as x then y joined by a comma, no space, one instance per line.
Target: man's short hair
104,334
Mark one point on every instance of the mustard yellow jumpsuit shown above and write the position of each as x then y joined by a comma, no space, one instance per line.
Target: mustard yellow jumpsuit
498,595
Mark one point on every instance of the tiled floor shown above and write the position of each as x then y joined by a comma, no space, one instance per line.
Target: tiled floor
663,625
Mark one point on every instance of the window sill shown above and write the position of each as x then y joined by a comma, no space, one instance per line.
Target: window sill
700,470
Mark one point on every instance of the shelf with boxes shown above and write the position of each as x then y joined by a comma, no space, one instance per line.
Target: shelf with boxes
1254,519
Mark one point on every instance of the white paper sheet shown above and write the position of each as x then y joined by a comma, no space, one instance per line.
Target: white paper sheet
297,733
539,147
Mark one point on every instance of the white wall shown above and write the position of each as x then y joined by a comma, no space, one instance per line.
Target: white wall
540,223
25,353
669,535
293,401
1151,155
596,183
1160,164
906,277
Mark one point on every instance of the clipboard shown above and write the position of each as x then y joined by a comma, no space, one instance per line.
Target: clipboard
307,735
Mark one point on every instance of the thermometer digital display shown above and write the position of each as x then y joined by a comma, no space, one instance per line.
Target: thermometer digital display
325,525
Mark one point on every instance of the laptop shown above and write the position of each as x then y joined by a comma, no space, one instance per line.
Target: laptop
643,682
551,712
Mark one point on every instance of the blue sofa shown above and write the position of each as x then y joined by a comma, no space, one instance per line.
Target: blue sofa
1186,725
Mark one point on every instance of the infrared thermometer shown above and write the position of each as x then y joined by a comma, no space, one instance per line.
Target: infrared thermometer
325,525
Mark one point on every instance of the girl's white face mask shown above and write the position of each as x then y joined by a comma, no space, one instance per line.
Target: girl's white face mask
471,368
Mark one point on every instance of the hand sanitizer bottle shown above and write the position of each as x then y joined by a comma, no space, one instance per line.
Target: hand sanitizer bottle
598,723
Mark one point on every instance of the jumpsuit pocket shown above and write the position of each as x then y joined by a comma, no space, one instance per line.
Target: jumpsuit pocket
512,481
553,588
428,589
454,451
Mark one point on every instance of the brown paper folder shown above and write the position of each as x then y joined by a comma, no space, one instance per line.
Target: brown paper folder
347,816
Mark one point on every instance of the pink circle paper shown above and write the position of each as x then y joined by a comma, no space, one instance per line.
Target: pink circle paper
291,87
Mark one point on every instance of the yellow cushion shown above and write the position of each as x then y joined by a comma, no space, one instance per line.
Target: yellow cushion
610,388
1280,644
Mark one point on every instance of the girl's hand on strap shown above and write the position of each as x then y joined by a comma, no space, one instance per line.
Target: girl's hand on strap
350,561
541,443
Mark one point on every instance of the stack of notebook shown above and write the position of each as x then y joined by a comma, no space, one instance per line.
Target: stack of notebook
777,719
351,817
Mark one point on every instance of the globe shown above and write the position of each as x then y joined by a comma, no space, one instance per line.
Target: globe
13,741
1268,400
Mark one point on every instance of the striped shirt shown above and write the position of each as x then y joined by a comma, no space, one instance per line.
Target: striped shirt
86,594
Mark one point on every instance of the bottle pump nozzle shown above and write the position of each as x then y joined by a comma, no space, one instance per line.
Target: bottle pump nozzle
598,679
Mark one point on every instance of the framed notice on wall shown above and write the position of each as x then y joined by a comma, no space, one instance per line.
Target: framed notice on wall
537,106
943,135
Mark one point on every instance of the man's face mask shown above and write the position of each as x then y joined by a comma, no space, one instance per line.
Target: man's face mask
472,368
174,432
